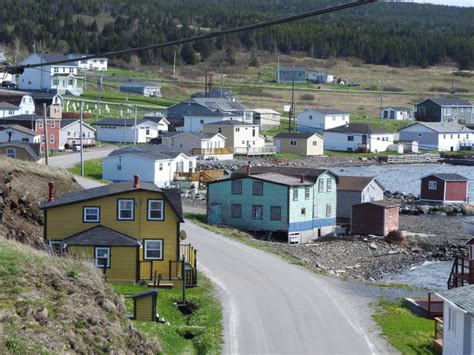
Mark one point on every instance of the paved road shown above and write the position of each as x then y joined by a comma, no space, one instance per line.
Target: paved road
66,161
271,306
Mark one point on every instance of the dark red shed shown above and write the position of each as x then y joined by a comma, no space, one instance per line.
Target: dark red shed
444,188
376,217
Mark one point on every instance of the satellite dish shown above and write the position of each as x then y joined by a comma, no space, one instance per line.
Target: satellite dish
182,235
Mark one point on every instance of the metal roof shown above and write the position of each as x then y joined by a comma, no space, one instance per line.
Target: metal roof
301,135
150,151
230,123
287,170
101,236
120,122
381,203
358,128
32,148
355,183
200,135
327,110
447,101
463,297
448,177
443,127
398,108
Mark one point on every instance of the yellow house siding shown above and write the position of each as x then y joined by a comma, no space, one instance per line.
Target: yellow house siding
303,146
317,149
21,153
144,309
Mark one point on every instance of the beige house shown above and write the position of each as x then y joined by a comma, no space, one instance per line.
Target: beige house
243,137
21,150
299,143
266,118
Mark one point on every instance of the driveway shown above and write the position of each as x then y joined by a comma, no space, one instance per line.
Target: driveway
66,161
271,306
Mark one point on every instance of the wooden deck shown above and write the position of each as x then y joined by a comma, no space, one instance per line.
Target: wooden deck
429,307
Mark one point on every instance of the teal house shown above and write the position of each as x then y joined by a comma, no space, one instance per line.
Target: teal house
296,206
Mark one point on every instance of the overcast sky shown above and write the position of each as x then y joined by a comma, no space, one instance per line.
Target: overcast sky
449,2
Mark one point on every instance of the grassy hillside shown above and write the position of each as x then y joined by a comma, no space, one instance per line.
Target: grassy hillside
60,305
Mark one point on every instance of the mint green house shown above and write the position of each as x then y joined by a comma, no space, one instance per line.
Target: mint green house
301,207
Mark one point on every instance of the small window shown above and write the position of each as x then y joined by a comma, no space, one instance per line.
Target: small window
91,215
310,117
53,124
432,185
307,193
328,185
51,138
219,130
328,210
155,210
295,194
350,138
236,187
257,188
321,185
57,246
293,143
102,257
315,143
237,129
236,210
257,211
303,211
125,210
153,249
11,153
275,213
40,124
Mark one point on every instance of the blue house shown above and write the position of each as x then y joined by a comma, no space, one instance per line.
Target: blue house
301,208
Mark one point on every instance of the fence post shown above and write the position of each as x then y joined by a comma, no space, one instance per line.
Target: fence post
182,278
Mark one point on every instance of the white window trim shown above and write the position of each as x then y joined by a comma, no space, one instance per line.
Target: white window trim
60,242
145,249
11,153
432,185
119,209
84,219
96,258
162,209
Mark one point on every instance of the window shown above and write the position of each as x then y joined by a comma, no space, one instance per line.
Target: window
328,210
190,166
275,213
307,193
11,153
51,138
303,211
295,194
40,124
219,129
315,143
147,131
53,124
257,211
293,143
237,129
56,70
202,121
153,249
350,138
102,257
254,132
315,211
125,210
310,117
91,215
420,134
236,210
432,185
257,188
236,187
57,246
155,210
321,185
328,185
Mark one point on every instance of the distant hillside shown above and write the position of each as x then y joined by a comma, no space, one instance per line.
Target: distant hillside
23,186
397,34
60,305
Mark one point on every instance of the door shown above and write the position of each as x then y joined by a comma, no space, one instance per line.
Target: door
215,213
364,139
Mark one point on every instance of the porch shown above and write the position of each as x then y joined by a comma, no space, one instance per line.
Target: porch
202,176
253,151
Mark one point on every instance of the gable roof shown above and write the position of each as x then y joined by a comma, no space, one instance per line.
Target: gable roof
136,84
275,178
463,297
19,128
398,108
443,127
219,104
8,106
29,118
355,183
32,148
291,69
358,128
230,123
381,203
152,293
128,122
327,110
200,135
447,177
447,101
149,151
173,196
101,236
266,110
300,135
65,122
287,170
54,57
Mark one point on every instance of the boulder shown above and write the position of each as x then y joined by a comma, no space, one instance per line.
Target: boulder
373,246
449,210
467,210
423,209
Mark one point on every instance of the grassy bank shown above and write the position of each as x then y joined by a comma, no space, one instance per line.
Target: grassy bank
92,169
205,323
407,332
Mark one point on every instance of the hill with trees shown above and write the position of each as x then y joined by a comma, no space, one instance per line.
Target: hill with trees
395,33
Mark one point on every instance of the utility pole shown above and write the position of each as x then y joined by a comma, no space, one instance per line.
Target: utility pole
45,133
99,93
84,85
135,125
174,65
278,69
81,138
292,108
205,83
452,82
381,97
222,85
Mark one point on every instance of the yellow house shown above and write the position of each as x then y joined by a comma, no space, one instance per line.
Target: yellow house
21,150
306,144
131,230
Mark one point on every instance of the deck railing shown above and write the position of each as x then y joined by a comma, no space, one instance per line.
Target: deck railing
212,151
462,272
267,150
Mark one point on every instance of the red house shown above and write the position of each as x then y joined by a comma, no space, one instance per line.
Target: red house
444,188
376,217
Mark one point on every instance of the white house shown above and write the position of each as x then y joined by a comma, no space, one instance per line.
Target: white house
89,64
15,132
149,161
320,119
148,90
58,78
163,123
458,320
195,123
357,137
14,103
70,134
126,131
319,77
266,118
396,113
200,144
441,136
4,76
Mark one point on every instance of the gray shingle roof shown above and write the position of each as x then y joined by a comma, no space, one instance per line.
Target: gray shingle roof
150,151
172,195
8,106
201,135
358,128
354,183
32,148
219,104
449,177
101,236
292,69
119,122
301,135
444,127
17,127
230,123
51,57
382,203
449,101
328,110
463,297
287,170
398,108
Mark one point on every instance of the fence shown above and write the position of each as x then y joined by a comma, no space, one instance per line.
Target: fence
410,158
255,151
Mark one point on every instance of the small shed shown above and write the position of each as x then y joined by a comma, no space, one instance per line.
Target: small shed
144,306
375,217
149,90
304,143
444,188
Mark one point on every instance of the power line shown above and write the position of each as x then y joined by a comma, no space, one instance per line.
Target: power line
18,69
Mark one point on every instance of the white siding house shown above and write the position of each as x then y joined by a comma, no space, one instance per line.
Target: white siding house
203,145
150,162
196,123
357,137
396,113
125,130
319,77
441,136
320,119
14,132
89,64
15,103
69,134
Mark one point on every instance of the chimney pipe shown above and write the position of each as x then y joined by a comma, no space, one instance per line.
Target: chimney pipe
51,186
248,168
302,179
136,181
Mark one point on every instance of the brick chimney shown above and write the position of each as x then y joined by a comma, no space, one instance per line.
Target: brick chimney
136,181
248,167
302,179
52,188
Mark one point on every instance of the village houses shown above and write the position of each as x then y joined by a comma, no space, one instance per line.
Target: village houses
70,134
266,118
444,188
290,74
320,119
127,130
15,132
140,88
21,150
452,109
14,103
375,218
99,64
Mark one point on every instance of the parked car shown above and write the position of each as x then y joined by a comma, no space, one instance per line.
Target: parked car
8,85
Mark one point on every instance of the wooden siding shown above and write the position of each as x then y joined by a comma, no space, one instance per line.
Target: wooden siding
373,219
456,191
144,309
435,195
303,146
20,152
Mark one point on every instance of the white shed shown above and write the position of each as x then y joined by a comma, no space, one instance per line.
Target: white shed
396,113
127,130
316,120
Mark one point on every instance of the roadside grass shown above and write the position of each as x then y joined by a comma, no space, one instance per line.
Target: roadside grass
205,323
284,123
392,285
92,170
126,98
406,331
124,73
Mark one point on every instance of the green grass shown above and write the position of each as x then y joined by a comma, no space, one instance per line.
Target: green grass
406,331
284,123
124,73
131,99
205,322
389,125
92,169
391,284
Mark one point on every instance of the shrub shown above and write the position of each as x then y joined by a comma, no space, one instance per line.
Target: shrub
85,115
306,97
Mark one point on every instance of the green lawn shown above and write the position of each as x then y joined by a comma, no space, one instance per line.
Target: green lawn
205,322
389,125
131,99
406,331
284,123
92,169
